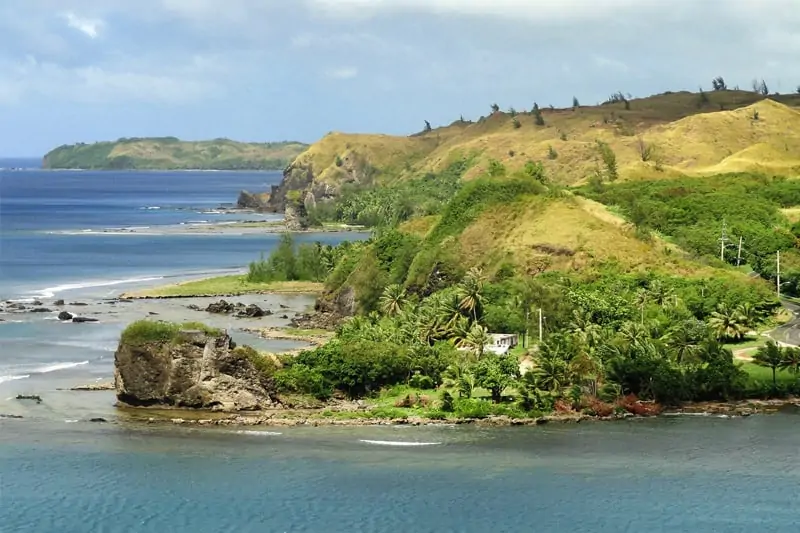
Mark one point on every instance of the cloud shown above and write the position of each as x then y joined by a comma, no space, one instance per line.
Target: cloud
124,82
88,26
342,73
546,10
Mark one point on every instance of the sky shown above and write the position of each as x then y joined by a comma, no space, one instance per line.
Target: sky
270,70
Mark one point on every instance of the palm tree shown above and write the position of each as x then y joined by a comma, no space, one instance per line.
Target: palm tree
771,356
477,339
470,292
685,338
392,300
727,323
749,314
641,301
791,360
660,294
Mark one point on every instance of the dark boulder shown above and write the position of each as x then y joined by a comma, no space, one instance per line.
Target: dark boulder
253,311
193,307
79,304
98,419
58,303
220,308
32,397
40,310
81,319
65,316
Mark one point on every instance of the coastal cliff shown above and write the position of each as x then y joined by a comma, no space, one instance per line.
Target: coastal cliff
170,153
164,365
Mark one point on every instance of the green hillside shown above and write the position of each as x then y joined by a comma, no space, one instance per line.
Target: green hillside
170,153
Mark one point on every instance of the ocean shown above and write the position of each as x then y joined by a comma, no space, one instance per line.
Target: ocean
62,473
63,236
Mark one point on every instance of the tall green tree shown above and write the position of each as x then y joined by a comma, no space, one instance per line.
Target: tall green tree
771,356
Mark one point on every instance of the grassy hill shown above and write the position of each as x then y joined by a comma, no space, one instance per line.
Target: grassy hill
171,153
558,189
667,135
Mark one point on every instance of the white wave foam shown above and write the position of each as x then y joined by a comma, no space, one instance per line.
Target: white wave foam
4,379
50,292
108,346
258,433
151,208
56,367
398,443
70,421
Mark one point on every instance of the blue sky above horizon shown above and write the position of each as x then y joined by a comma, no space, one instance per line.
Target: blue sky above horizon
267,70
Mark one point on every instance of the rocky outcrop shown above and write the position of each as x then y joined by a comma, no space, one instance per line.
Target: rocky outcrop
65,316
310,179
196,370
295,216
248,200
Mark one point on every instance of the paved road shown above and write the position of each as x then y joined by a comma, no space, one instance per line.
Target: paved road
788,333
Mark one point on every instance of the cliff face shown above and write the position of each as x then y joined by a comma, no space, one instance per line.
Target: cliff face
197,371
338,160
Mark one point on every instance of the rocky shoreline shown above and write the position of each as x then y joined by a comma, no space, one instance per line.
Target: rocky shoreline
324,417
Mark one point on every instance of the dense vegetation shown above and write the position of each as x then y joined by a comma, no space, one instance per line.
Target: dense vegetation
170,153
610,339
708,217
292,262
389,205
613,334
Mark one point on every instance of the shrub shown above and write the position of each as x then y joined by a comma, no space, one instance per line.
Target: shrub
633,405
516,123
448,402
563,136
303,379
420,381
472,408
596,407
551,153
263,363
150,331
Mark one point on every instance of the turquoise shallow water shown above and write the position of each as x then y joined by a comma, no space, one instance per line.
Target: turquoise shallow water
688,474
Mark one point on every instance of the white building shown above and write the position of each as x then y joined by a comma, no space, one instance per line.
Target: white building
501,343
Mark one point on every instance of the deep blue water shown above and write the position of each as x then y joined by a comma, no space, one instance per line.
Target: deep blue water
60,238
44,216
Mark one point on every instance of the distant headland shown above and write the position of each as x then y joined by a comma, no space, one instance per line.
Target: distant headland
170,153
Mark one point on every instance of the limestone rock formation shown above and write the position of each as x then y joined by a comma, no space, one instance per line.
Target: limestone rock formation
196,370
248,200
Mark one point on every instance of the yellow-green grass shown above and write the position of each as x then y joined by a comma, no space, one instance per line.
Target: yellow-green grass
233,285
684,138
750,342
540,234
763,374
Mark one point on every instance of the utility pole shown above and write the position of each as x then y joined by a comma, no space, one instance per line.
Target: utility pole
527,326
723,239
778,283
540,325
739,255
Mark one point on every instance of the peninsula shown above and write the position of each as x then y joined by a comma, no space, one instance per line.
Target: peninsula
560,261
170,153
